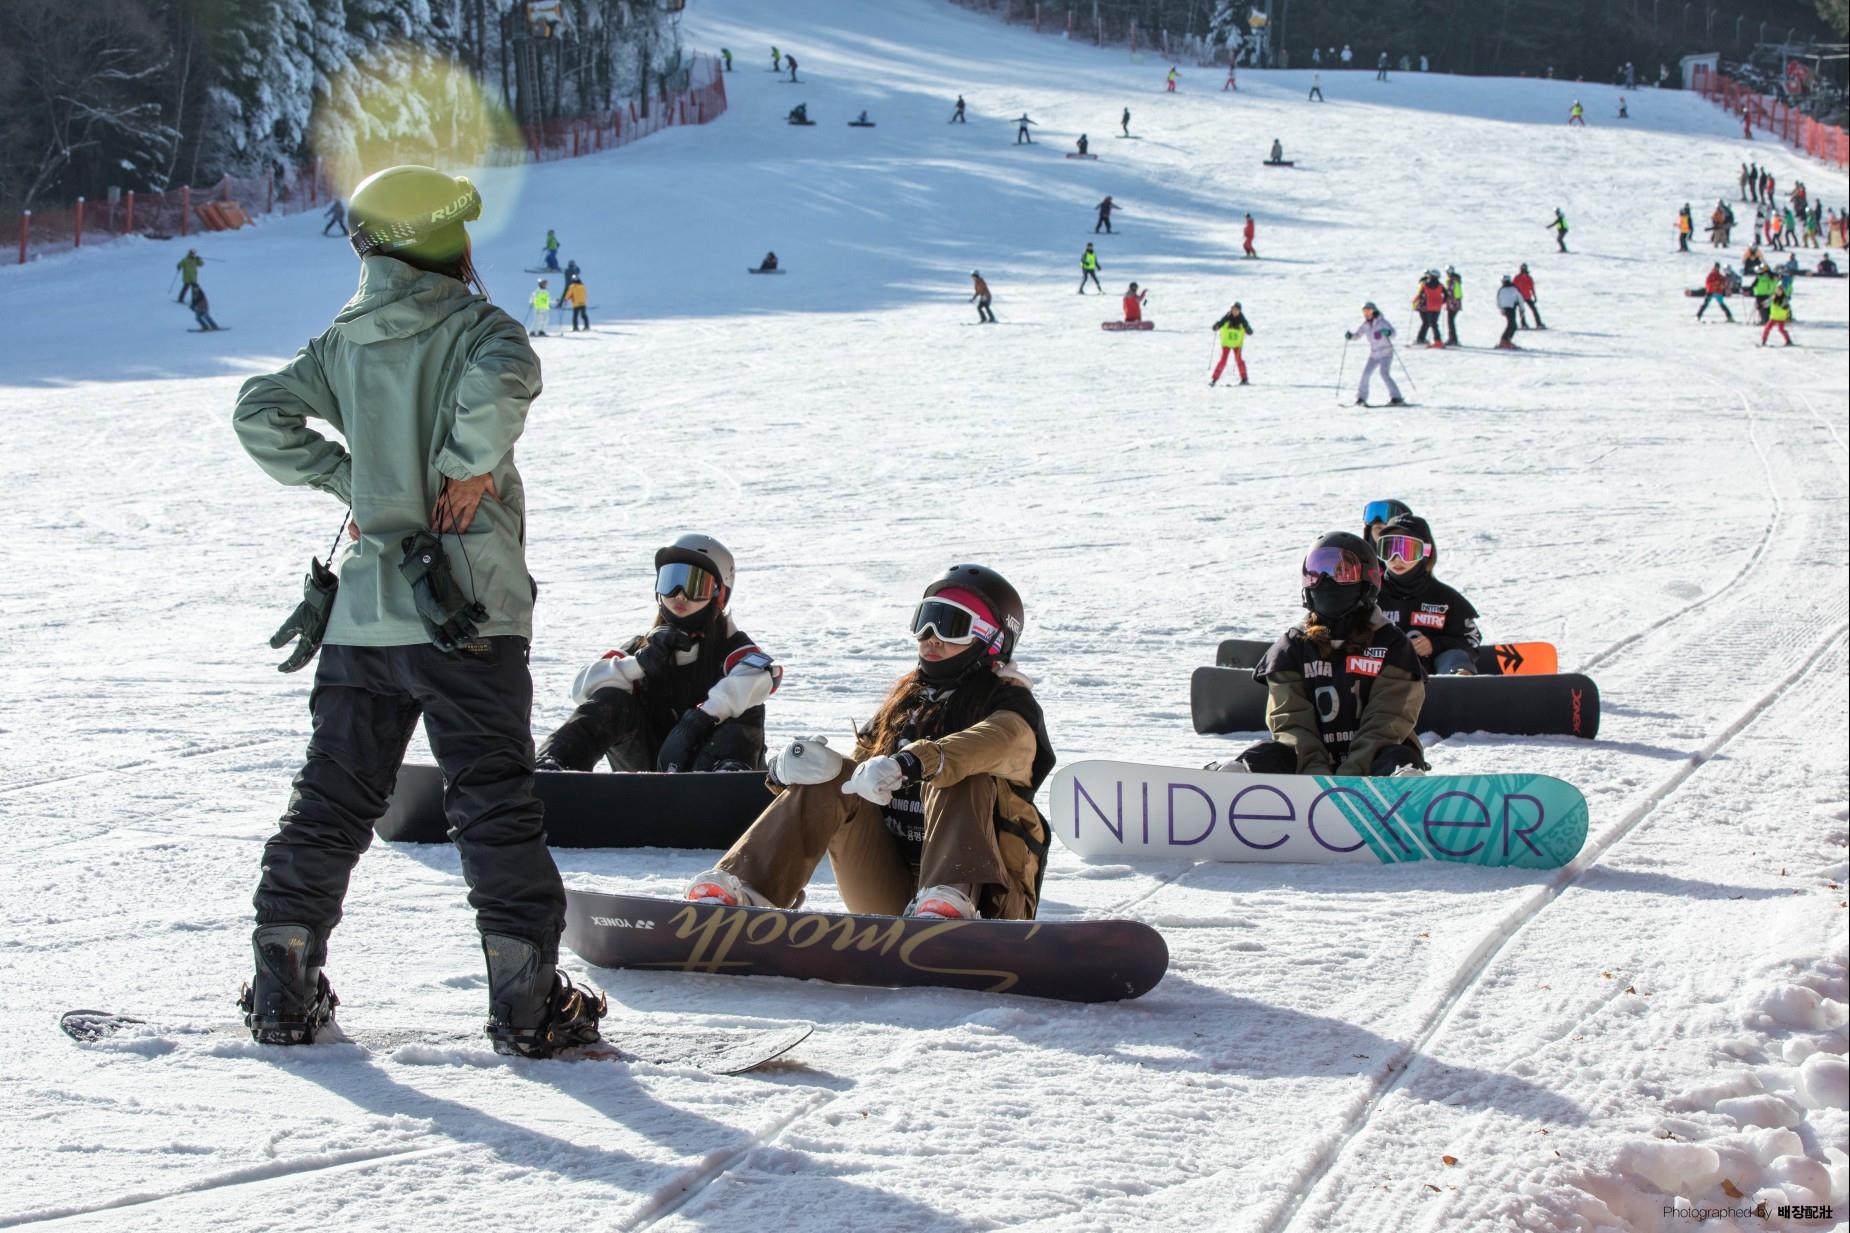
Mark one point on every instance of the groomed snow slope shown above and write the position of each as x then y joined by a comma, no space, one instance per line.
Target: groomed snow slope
1662,499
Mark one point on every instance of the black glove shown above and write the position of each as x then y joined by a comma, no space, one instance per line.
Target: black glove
450,618
657,653
310,618
685,742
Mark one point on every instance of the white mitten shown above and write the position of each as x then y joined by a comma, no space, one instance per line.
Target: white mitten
615,671
876,780
806,760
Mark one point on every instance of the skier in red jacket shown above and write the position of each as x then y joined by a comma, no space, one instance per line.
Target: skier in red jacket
1525,283
1133,304
1248,234
1715,290
1429,302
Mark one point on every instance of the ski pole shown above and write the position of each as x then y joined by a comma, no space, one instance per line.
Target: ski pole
1341,366
1411,383
172,281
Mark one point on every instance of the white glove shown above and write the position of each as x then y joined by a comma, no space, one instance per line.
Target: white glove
805,760
876,780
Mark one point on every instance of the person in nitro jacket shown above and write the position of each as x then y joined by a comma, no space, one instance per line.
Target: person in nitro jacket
686,696
1429,302
933,814
1439,622
1344,687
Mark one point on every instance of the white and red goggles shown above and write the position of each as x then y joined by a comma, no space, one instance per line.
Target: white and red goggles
949,621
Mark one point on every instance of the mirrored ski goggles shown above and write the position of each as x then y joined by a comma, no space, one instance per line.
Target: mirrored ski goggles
690,580
1336,564
1379,511
1406,548
950,622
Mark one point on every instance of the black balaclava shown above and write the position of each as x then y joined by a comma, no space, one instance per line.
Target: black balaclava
1414,580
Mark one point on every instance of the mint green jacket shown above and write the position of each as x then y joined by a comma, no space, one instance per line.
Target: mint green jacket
424,379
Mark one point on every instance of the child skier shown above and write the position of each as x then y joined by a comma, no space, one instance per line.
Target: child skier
933,812
201,309
541,304
1344,687
1577,114
1380,336
1088,269
552,249
1439,622
688,695
1779,311
1715,291
1232,328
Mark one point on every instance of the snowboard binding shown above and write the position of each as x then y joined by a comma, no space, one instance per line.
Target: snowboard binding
535,1010
278,1007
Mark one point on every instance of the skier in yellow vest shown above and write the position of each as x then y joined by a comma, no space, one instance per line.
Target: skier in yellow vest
542,309
1088,269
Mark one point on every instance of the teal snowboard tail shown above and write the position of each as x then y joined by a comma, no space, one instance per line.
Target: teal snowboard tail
1107,811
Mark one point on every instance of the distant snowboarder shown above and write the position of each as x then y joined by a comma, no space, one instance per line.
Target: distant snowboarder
1316,87
1277,156
957,112
1559,223
1133,304
1246,235
1088,269
1021,130
1105,208
1126,122
1081,143
791,61
1380,336
769,263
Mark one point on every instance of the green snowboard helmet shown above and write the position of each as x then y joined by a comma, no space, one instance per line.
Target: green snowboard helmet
413,213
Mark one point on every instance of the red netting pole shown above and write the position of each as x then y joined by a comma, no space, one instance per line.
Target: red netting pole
77,231
128,225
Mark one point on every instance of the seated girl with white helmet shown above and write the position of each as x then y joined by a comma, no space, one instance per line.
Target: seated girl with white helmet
933,813
688,695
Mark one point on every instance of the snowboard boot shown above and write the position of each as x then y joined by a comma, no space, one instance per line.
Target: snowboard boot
534,1010
944,902
287,1001
727,890
1397,402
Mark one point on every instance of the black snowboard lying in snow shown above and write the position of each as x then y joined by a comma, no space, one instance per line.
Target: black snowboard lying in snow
600,810
1229,700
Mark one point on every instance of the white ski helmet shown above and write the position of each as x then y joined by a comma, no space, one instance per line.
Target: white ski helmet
703,552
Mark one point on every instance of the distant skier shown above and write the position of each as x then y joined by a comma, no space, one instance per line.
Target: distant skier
1232,329
201,309
1246,237
580,300
1765,287
572,274
1686,223
1577,114
1779,311
791,62
1105,208
1454,304
1126,122
1380,336
980,295
1133,304
1715,291
1344,686
1439,622
777,58
189,273
1559,223
1278,152
1750,183
1623,114
337,219
1088,269
1347,56
726,55
1509,303
1429,302
1316,87
552,249
1021,130
541,304
1525,283
957,112
1173,77
1381,67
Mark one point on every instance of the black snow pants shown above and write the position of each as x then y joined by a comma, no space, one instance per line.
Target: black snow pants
1509,325
477,712
983,312
613,724
1104,223
1429,320
1451,327
1093,275
1278,758
1534,312
581,318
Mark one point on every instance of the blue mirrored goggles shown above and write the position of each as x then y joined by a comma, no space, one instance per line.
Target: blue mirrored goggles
1382,511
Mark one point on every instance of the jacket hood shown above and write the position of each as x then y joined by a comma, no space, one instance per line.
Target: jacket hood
396,300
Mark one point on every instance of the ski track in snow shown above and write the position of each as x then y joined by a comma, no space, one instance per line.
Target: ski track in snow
1662,499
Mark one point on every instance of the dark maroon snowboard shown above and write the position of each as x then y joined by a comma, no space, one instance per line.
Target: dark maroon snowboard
1229,700
1073,961
598,809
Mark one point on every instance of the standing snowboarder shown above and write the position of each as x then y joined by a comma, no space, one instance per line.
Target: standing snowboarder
957,112
1360,714
428,385
1525,283
791,63
1021,130
688,694
932,814
1082,143
1316,87
1231,329
1126,122
1088,269
1559,223
1277,154
980,295
337,219
1509,303
1246,237
1380,336
1105,208
1381,67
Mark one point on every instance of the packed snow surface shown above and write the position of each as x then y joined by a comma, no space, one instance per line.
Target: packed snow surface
1658,1027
